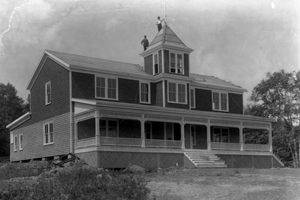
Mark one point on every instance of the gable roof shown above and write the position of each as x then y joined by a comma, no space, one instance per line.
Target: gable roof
73,61
78,61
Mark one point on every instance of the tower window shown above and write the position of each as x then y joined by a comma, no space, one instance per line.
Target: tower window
156,69
176,63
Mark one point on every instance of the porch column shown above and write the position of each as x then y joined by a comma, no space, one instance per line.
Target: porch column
270,139
143,131
75,133
97,128
182,134
208,135
241,137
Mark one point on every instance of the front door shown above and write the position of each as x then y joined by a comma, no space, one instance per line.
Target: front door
192,136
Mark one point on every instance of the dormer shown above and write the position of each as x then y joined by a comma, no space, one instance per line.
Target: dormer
167,54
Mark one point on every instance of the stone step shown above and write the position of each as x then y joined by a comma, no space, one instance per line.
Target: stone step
212,166
205,159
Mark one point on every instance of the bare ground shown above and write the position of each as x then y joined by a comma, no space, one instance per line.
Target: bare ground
221,184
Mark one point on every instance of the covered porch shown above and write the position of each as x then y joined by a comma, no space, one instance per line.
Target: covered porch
103,127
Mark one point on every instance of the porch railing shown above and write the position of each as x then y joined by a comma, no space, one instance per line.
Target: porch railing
163,143
85,142
118,141
256,147
226,146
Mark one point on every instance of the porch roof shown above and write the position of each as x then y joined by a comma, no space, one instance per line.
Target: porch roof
172,114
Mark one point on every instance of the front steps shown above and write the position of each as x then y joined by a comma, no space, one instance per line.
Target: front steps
204,159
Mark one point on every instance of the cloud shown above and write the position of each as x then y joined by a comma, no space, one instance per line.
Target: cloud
111,23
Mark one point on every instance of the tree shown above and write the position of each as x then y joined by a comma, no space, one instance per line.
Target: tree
278,96
11,108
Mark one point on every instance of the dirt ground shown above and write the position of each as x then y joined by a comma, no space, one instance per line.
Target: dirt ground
221,184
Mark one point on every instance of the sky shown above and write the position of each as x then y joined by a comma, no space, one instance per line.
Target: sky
234,40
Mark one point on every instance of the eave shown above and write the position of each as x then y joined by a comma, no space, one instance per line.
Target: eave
19,121
175,112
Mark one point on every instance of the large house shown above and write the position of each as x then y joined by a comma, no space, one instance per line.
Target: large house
115,114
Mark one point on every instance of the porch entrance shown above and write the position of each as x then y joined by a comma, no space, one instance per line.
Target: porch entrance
195,136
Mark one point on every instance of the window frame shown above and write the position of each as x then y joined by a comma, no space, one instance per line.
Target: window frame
106,78
21,142
11,138
154,63
107,127
15,142
48,100
193,91
48,133
176,62
220,101
221,134
177,92
149,92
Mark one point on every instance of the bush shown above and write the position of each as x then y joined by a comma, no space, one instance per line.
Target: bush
82,183
12,170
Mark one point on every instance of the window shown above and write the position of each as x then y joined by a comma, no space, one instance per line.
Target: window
11,138
48,133
221,135
148,130
192,98
16,143
176,63
172,92
48,93
177,92
155,64
106,88
145,93
193,135
21,142
220,101
108,128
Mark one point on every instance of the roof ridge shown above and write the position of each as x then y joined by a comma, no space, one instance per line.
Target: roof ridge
50,51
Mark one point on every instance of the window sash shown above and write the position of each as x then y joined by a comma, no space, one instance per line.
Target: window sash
216,101
15,143
223,101
172,63
156,70
112,88
100,87
181,93
21,142
145,93
179,64
48,133
192,98
48,92
172,92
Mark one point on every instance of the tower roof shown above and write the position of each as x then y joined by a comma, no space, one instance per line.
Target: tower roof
167,37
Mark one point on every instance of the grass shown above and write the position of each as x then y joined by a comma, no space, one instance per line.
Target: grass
223,184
